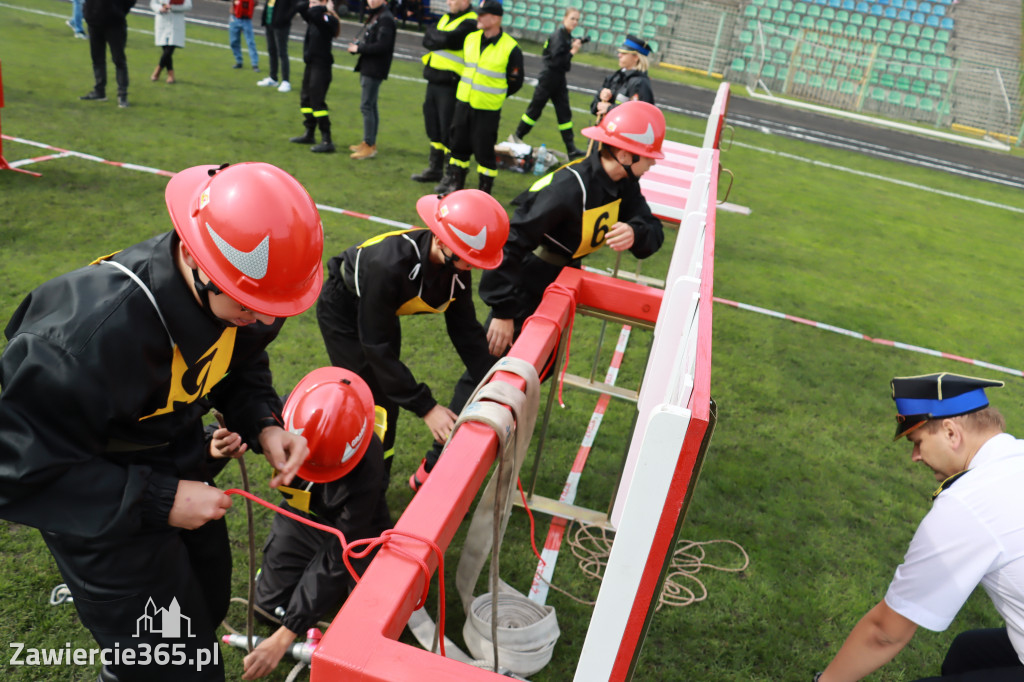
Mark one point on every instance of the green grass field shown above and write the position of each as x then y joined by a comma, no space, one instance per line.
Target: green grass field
801,471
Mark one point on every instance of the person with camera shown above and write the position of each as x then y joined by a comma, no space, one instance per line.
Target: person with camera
630,82
559,49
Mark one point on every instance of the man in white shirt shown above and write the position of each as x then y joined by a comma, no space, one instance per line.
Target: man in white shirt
973,534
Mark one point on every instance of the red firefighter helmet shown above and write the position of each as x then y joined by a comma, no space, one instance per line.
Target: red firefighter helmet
333,409
255,232
635,126
469,222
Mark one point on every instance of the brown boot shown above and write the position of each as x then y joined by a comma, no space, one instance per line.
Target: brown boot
367,152
170,77
357,147
156,74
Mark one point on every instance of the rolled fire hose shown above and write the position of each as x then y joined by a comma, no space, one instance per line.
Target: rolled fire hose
519,632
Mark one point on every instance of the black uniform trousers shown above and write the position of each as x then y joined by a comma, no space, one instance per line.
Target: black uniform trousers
116,36
536,276
474,132
316,80
985,655
438,108
336,312
550,87
113,581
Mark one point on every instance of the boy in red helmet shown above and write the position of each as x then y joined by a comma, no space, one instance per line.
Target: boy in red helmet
562,218
342,483
407,272
106,376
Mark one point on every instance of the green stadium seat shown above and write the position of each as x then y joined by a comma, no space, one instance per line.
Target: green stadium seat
847,88
618,25
775,43
914,30
633,14
532,10
909,42
661,20
800,8
768,71
618,12
793,19
519,21
809,64
879,36
772,4
786,5
910,101
864,34
910,71
941,77
856,19
899,54
533,24
789,45
828,13
604,23
885,52
781,57
918,87
945,63
548,27
926,105
814,10
894,39
856,73
925,74
841,70
885,24
871,21
903,83
928,32
899,27
850,31
746,37
836,27
878,94
815,81
886,80
821,25
943,35
934,90
895,68
820,52
658,6
825,68
843,16
807,22
895,98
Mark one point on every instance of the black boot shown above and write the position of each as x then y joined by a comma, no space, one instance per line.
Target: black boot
486,183
454,180
522,130
435,167
570,145
325,146
309,137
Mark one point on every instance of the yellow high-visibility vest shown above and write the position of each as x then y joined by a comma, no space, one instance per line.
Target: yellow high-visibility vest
448,60
483,83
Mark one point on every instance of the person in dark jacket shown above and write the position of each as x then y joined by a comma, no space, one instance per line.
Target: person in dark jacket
375,48
322,27
106,376
303,578
108,25
561,219
630,82
559,49
372,285
277,19
492,73
442,69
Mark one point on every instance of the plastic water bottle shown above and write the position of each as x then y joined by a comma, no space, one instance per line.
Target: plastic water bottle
540,164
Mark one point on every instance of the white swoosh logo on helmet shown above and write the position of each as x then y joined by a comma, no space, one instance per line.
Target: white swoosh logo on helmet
474,241
350,448
252,264
646,137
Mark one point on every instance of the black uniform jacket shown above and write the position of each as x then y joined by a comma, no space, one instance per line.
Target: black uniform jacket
321,28
354,504
624,84
377,44
557,54
434,39
553,214
100,413
387,275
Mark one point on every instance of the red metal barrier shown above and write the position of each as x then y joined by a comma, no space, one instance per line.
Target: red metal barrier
360,644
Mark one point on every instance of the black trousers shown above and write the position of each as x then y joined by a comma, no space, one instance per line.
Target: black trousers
116,36
167,58
277,50
473,133
981,656
438,108
337,315
131,592
316,81
553,89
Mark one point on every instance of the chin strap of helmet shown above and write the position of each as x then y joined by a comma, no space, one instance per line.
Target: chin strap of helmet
204,290
629,166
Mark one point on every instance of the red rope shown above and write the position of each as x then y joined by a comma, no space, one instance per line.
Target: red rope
368,545
529,512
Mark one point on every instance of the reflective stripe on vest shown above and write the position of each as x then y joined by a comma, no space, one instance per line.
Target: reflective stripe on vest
483,83
448,60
